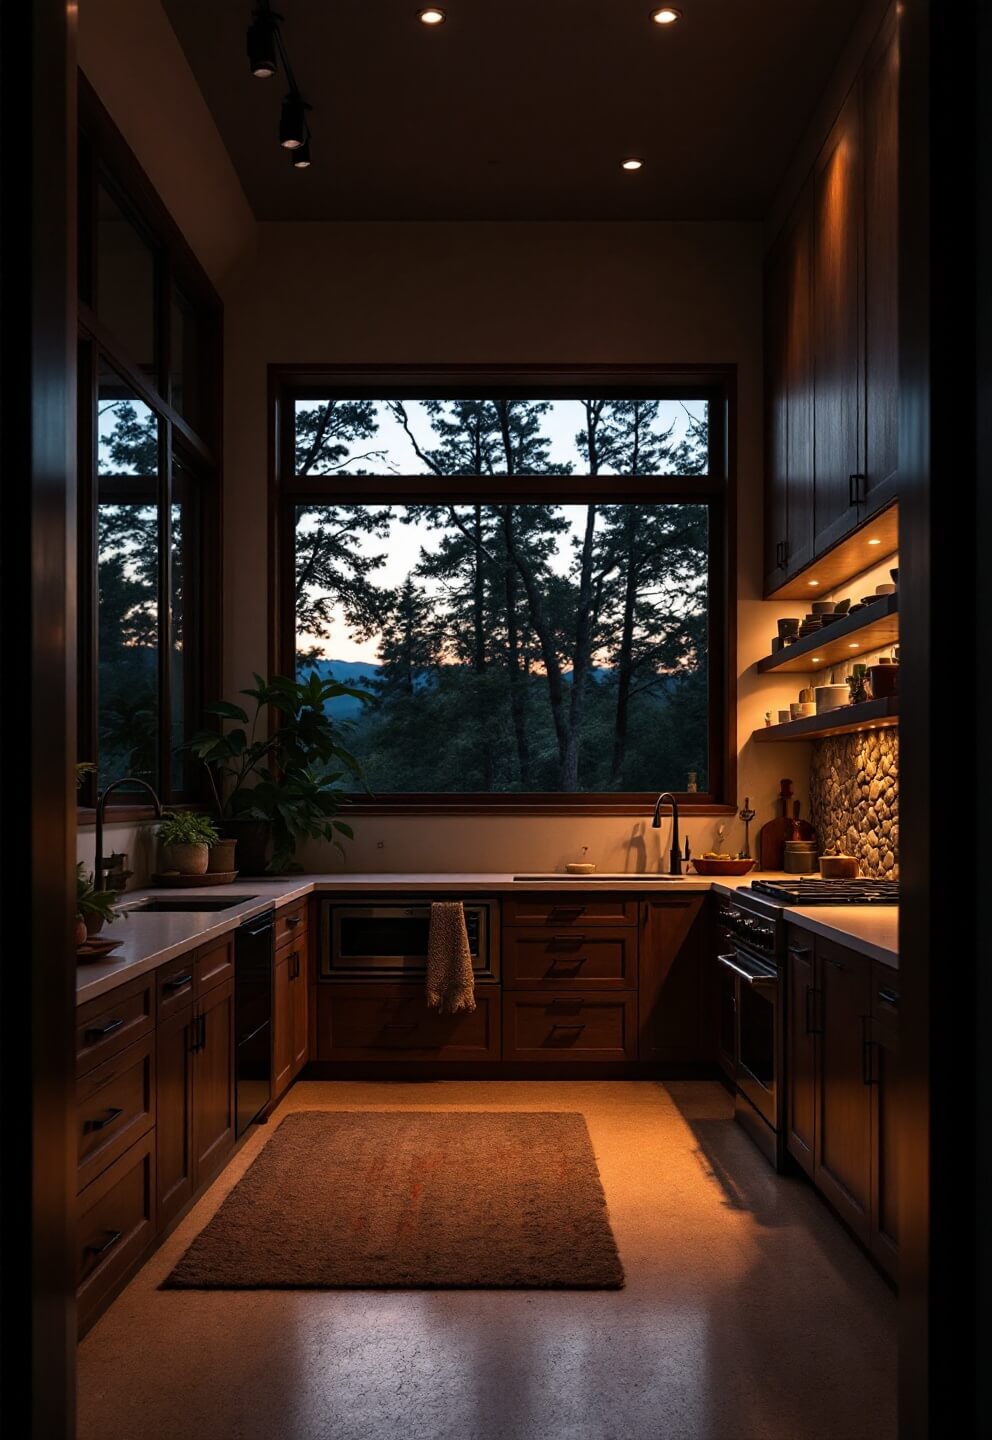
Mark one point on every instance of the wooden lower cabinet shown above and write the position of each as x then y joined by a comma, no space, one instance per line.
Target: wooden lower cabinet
290,1013
883,1235
671,980
115,1106
115,1225
800,1048
384,1021
556,1027
213,1081
174,1130
842,1068
600,958
842,1152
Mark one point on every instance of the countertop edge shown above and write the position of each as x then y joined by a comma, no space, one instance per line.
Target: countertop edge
832,927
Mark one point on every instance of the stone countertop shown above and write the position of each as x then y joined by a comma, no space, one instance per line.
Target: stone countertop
152,939
871,929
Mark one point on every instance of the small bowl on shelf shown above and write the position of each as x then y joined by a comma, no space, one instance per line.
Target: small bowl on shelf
580,867
839,867
703,866
831,697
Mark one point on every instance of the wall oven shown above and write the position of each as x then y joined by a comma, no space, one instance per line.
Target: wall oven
753,961
386,938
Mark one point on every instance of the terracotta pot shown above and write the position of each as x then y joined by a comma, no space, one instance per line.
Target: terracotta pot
94,924
187,859
839,867
222,860
81,932
253,843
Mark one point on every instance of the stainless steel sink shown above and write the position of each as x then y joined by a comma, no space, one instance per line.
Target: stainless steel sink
608,877
180,904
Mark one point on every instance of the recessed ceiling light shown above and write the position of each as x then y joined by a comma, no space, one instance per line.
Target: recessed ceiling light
666,15
874,542
853,645
632,164
812,582
816,659
431,16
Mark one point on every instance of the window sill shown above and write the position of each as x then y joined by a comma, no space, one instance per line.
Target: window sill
493,805
122,814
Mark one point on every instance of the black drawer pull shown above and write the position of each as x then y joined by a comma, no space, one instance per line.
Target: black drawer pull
178,982
108,1119
799,950
108,1244
568,962
92,1036
294,919
889,997
294,964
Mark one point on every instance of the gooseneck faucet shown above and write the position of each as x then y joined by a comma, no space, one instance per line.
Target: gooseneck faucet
100,865
675,855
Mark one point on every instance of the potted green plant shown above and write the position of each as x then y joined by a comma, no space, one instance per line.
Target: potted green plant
275,786
94,908
185,839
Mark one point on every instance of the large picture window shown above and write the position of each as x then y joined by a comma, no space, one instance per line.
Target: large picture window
149,327
532,590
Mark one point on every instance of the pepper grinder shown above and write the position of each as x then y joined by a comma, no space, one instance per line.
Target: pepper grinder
747,815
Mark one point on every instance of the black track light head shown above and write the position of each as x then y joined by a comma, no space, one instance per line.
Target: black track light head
293,121
261,42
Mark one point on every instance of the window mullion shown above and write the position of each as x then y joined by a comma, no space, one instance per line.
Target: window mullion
165,609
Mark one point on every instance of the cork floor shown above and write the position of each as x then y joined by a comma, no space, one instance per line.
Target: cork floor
748,1313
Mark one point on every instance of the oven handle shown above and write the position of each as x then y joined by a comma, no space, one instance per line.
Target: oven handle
753,977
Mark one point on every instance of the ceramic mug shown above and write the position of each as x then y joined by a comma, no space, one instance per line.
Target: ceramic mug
784,717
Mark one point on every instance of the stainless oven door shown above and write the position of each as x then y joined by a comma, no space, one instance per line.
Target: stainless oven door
390,939
758,1050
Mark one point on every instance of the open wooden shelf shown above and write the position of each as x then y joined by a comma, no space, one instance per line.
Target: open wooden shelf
852,556
872,715
874,628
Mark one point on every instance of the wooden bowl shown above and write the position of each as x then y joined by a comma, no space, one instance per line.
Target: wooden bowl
722,867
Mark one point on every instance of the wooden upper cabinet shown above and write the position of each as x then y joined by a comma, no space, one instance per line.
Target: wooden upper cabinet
838,326
881,189
776,415
789,398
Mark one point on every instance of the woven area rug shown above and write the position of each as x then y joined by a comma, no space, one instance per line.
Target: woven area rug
406,1200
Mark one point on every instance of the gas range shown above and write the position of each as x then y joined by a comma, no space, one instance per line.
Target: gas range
805,890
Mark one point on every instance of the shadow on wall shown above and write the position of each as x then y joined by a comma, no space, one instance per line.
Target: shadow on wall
854,794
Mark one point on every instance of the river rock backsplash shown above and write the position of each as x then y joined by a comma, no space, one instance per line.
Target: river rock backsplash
854,798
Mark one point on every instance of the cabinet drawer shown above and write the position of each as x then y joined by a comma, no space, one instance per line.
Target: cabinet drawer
366,1022
291,923
565,910
547,1025
602,958
174,985
115,1105
115,1224
111,1023
885,992
214,964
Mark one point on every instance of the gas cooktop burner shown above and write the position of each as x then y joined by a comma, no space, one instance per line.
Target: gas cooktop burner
815,891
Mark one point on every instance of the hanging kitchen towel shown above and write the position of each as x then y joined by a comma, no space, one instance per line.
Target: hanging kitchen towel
450,979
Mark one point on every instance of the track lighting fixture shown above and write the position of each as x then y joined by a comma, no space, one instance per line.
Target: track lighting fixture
261,41
266,52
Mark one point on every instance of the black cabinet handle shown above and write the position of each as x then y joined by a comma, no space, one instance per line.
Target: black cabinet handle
799,950
889,997
294,964
178,982
108,1244
113,1114
293,919
93,1035
855,490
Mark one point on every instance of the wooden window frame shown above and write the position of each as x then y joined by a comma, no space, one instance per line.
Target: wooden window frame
106,159
716,383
